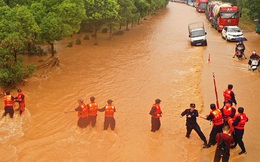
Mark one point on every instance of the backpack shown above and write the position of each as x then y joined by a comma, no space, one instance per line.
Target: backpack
223,145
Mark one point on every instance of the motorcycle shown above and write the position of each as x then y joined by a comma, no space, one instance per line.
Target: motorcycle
240,52
254,64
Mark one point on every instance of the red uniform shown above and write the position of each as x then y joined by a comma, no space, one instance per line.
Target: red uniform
218,119
92,113
242,122
109,111
158,111
8,101
92,109
109,116
230,121
83,112
227,95
155,112
83,115
21,100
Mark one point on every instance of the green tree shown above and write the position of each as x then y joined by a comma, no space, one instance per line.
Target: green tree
18,28
2,3
51,30
100,13
12,72
58,19
13,3
250,8
142,8
39,11
72,15
127,12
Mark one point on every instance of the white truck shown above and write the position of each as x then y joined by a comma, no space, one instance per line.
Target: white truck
197,34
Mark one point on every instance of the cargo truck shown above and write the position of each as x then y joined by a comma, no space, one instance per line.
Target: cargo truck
201,5
225,15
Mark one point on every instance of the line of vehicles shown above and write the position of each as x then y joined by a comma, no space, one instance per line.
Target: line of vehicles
225,19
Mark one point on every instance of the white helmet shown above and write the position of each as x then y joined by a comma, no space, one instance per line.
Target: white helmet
254,52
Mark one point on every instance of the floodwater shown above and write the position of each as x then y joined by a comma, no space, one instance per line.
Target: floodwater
152,60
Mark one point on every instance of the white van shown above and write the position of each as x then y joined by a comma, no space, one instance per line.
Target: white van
197,34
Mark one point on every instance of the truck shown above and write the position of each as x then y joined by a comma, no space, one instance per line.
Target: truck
209,9
201,5
225,15
197,34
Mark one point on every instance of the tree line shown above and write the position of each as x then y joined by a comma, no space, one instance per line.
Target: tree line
27,24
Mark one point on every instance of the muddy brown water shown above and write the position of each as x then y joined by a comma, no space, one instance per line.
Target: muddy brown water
152,60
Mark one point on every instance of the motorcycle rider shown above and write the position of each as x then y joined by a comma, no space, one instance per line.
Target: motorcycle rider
254,56
241,45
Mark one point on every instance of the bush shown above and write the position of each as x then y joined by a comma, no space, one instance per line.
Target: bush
30,69
86,37
12,73
104,30
37,50
70,44
78,41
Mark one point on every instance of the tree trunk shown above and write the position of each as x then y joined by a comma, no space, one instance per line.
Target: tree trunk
15,56
95,33
126,27
120,27
29,48
110,29
52,49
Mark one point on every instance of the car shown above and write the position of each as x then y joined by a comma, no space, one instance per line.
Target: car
232,33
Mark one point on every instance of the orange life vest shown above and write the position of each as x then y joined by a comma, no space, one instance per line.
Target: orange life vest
218,119
8,100
83,112
22,102
227,111
242,122
92,109
109,111
158,111
227,95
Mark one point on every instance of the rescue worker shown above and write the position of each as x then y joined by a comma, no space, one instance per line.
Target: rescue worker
239,126
222,153
230,122
229,94
21,100
156,113
217,119
109,115
254,56
82,114
228,111
92,111
191,122
9,104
